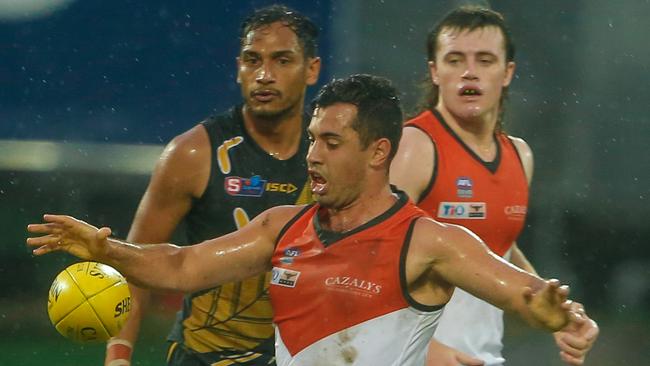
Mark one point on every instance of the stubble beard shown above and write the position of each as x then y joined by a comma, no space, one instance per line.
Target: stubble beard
272,115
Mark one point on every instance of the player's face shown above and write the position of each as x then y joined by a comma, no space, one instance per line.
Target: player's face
471,71
336,159
273,72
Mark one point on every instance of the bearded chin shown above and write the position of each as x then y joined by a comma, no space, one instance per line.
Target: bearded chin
270,114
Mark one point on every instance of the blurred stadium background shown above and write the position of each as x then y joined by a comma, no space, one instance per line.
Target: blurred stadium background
92,90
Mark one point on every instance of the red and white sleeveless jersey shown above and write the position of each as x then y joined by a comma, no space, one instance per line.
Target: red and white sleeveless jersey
490,199
341,298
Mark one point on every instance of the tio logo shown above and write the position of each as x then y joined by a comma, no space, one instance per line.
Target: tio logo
462,210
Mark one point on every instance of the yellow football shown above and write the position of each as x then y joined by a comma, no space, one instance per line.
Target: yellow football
88,302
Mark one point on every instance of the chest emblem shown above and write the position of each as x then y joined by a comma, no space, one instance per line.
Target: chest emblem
284,277
246,187
222,153
464,187
289,255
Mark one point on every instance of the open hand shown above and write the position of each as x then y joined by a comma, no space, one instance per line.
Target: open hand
68,234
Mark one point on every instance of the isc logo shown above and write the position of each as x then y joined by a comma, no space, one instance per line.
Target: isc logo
462,210
281,187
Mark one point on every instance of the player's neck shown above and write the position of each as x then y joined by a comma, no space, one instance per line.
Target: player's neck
278,136
477,133
366,207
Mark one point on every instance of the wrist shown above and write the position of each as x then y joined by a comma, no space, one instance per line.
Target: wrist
118,352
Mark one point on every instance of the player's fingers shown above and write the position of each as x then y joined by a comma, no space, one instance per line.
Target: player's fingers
592,333
50,239
571,360
573,345
61,219
45,249
578,307
553,283
43,228
576,319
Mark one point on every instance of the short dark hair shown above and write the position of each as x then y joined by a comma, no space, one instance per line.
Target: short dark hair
464,18
379,113
302,26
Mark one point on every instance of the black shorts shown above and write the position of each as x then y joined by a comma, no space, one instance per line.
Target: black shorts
179,355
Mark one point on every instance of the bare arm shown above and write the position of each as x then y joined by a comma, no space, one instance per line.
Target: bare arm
233,257
517,257
181,174
414,163
452,256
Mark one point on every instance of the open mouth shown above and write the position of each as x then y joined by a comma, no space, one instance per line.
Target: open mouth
318,183
468,91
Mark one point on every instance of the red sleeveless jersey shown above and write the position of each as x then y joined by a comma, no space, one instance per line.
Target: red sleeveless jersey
333,292
490,199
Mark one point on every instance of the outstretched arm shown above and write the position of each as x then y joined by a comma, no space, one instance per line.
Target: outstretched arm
452,256
234,257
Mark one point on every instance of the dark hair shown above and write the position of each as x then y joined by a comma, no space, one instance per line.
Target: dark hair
464,18
303,27
379,113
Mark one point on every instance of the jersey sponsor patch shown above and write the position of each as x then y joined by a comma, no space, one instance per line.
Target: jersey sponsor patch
247,187
462,210
281,187
255,186
284,277
517,212
353,285
464,187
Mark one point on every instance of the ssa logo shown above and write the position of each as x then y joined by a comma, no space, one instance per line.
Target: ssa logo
246,187
462,210
284,277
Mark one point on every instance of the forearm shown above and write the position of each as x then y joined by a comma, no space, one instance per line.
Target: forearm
511,288
148,266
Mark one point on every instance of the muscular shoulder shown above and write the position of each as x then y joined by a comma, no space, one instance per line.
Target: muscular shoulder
526,155
189,146
185,160
434,240
412,167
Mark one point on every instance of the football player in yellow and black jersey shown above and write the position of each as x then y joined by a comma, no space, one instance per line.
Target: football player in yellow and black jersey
219,175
